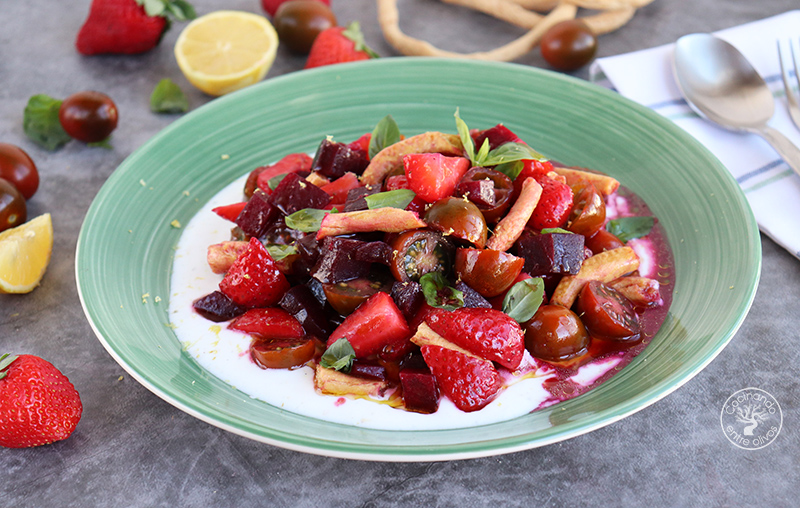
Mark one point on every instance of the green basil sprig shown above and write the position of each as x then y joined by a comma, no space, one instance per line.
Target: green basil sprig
504,155
628,228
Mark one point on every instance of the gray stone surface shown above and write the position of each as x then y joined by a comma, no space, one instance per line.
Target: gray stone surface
133,449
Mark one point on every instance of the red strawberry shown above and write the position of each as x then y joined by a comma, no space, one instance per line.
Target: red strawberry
555,204
38,404
434,176
468,381
230,212
271,6
488,333
254,279
338,45
376,325
128,26
269,323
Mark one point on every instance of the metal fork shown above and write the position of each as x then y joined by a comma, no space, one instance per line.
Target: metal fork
791,98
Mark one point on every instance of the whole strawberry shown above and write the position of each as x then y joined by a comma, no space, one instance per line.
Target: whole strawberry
128,26
38,404
339,45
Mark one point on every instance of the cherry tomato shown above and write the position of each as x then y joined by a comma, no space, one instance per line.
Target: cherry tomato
18,168
282,353
459,218
603,241
419,252
88,116
345,296
13,210
555,333
501,189
489,272
607,314
588,212
569,45
298,22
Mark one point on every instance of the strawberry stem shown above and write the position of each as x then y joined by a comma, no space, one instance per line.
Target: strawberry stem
5,361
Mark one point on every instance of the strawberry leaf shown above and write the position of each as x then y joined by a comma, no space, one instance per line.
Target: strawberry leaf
5,361
353,32
523,299
339,356
40,122
179,10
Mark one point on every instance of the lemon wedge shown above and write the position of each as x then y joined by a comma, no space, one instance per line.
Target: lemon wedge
226,50
24,254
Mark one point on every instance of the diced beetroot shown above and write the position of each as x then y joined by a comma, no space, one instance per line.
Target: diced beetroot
356,197
480,192
550,253
217,307
368,370
254,280
335,159
230,212
472,299
308,253
375,252
300,302
295,193
257,215
340,188
497,135
268,323
420,393
337,261
375,325
408,297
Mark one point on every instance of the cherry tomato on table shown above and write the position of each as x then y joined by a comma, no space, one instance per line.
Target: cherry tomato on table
88,116
18,168
13,210
298,22
568,45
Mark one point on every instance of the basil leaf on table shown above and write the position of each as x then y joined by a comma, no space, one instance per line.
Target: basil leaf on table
167,97
40,122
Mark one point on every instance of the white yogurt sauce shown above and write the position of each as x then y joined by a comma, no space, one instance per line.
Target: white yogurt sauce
224,353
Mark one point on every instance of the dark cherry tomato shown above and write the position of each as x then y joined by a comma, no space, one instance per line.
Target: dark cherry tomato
419,252
298,22
502,189
602,241
607,314
282,353
459,218
345,296
88,116
489,272
18,168
13,210
588,212
569,45
555,334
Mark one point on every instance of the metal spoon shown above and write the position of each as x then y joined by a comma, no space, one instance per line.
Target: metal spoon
721,85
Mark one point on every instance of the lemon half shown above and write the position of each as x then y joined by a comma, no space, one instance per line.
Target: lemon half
24,254
226,50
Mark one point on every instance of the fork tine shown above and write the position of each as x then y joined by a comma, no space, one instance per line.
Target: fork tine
796,66
791,99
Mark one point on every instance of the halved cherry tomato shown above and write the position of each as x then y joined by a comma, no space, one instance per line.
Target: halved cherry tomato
282,353
345,296
588,212
607,314
419,252
458,218
18,168
555,333
502,189
602,241
13,210
489,272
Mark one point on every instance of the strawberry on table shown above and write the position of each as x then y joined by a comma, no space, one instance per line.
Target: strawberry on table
339,45
128,26
38,404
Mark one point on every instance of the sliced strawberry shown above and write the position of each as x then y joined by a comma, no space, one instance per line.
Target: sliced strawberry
469,382
376,325
488,333
555,203
291,163
269,323
339,45
434,176
497,135
229,212
254,280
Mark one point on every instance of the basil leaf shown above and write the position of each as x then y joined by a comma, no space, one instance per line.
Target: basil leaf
510,152
546,231
510,169
278,252
523,299
307,220
466,139
273,182
338,356
438,293
167,97
386,133
628,228
40,122
398,198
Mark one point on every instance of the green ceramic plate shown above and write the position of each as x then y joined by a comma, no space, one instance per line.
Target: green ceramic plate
126,244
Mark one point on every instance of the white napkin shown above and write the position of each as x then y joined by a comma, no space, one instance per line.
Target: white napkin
770,185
